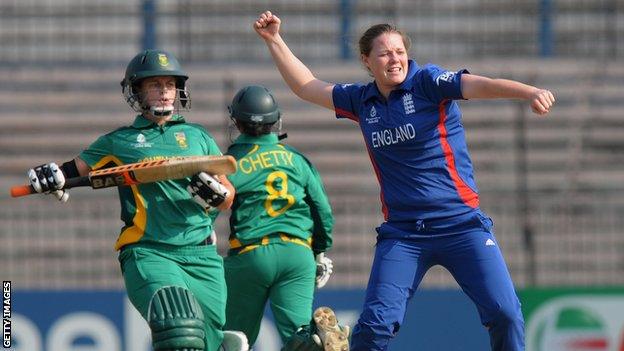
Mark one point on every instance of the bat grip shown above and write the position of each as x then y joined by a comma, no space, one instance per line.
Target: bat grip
77,181
23,190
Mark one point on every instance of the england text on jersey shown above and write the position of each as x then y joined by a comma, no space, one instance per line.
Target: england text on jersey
393,136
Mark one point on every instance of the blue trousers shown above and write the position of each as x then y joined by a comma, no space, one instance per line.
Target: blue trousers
474,259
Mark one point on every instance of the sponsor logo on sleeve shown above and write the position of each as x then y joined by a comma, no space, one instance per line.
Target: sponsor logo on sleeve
446,77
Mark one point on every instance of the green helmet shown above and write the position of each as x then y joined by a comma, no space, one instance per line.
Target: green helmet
153,63
254,104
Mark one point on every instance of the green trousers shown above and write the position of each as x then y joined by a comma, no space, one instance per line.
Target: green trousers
281,272
147,268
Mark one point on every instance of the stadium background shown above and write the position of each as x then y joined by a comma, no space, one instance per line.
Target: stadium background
554,186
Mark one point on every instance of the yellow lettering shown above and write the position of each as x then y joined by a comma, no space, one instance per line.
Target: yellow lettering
252,163
266,160
246,169
289,157
255,162
273,152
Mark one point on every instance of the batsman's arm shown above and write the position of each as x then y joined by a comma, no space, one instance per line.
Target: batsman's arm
82,167
75,173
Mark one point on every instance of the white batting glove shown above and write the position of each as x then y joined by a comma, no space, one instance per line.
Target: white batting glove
207,191
324,269
48,179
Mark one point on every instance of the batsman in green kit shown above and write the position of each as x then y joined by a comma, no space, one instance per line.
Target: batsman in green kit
281,219
172,272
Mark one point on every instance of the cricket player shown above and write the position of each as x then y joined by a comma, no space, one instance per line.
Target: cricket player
172,272
281,220
412,129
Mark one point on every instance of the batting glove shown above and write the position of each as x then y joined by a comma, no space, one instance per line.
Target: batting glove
207,191
324,269
48,179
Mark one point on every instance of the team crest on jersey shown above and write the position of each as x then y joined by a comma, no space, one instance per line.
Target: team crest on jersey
373,116
408,104
181,139
141,141
163,60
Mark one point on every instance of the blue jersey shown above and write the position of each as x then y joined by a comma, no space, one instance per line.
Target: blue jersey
416,143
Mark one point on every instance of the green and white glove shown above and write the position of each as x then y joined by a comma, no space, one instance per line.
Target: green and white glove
324,269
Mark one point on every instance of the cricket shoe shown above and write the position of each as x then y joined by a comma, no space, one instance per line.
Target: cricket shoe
333,336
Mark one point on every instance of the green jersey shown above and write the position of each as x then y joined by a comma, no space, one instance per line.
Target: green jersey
278,191
161,212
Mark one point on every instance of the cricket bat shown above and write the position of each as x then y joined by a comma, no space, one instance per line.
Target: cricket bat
145,172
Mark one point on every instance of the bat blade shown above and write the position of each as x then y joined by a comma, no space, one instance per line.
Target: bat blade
145,172
155,171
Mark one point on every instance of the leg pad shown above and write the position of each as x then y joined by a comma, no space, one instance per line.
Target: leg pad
176,320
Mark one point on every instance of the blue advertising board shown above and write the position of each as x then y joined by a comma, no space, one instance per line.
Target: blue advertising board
106,321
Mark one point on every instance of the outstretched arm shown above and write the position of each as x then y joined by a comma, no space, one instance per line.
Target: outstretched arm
478,87
298,77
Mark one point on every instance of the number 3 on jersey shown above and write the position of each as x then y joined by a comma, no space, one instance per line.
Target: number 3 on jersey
277,187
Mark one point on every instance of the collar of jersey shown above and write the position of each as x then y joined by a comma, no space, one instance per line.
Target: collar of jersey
373,92
141,122
265,139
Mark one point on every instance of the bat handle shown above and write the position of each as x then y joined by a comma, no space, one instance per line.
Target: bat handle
76,181
23,190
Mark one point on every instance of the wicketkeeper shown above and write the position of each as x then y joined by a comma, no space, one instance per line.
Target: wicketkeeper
281,225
